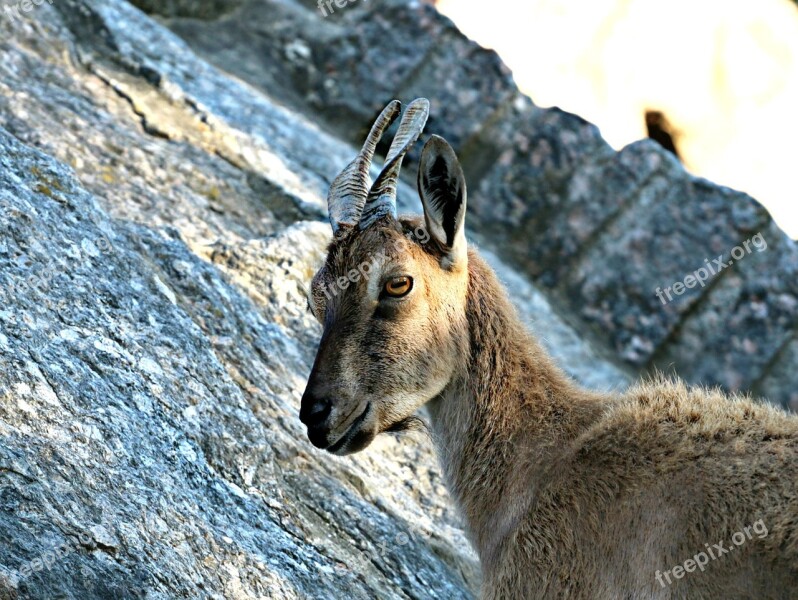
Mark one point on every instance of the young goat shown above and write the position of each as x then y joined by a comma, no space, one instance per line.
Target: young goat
566,493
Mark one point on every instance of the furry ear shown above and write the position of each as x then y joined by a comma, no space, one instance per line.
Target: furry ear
442,187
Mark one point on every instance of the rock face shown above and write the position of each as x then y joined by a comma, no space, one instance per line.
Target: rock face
162,208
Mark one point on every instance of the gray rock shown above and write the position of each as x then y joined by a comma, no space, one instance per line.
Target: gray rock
212,9
781,369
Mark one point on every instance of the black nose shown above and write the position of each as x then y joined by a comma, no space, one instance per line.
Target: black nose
314,410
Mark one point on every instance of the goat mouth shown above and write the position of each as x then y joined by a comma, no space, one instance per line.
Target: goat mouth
353,436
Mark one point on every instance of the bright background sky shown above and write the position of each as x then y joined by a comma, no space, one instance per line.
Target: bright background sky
724,72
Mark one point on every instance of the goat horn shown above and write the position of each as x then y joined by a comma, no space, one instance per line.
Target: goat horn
381,199
349,191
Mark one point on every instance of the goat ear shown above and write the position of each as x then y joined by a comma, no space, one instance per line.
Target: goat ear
442,187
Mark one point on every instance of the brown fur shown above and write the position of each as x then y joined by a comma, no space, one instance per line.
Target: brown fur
566,493
572,494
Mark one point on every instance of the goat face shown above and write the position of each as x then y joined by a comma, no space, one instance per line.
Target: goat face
391,298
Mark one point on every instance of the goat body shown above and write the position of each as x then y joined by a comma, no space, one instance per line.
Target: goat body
662,492
573,494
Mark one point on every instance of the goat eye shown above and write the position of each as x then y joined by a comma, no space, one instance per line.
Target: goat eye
398,286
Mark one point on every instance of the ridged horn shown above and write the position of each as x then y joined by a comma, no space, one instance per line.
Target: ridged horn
349,191
381,198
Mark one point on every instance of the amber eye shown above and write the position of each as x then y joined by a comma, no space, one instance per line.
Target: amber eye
398,286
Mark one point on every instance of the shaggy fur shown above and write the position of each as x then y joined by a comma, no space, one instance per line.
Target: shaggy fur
573,494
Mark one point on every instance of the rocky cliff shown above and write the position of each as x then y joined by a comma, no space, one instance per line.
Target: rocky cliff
162,185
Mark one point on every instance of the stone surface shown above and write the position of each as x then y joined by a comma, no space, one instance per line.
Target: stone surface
782,369
748,318
159,219
212,9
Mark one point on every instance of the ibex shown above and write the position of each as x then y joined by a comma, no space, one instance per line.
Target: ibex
660,492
